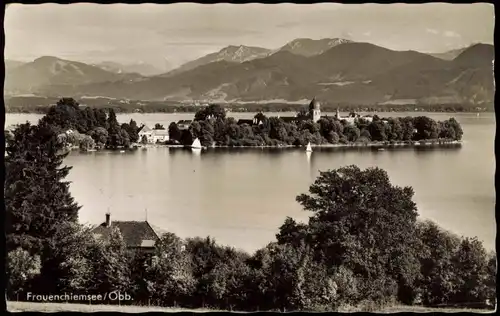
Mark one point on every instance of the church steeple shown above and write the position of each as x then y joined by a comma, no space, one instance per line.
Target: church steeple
315,110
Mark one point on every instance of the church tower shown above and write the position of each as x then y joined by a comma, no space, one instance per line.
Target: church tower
314,110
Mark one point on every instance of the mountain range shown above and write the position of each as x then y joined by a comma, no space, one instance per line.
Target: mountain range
141,68
333,70
48,71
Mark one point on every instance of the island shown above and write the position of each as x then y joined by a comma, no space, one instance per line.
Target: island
213,129
89,129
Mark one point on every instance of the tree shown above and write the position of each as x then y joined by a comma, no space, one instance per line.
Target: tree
450,129
214,111
352,133
426,128
99,135
436,284
87,143
206,133
377,130
277,129
65,115
174,133
37,199
68,261
394,129
111,270
132,130
363,222
187,137
158,126
22,267
408,128
456,127
124,139
171,273
112,121
491,279
470,268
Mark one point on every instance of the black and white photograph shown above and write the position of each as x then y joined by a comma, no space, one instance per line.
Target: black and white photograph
249,157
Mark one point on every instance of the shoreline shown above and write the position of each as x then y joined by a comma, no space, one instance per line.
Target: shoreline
353,145
374,145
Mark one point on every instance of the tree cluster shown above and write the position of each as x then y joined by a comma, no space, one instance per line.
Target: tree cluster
212,127
89,127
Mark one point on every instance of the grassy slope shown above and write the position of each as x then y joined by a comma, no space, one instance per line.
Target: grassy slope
58,307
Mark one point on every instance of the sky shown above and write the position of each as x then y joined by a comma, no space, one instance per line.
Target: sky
172,34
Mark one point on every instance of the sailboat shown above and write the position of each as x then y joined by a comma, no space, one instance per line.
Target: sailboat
196,144
309,148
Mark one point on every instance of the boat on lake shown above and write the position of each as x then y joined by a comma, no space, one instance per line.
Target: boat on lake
196,144
309,148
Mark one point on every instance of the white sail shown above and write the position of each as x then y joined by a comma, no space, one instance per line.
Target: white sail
196,144
309,148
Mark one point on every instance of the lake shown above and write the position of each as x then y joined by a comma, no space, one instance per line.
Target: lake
240,197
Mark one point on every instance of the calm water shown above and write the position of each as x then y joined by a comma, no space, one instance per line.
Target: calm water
241,197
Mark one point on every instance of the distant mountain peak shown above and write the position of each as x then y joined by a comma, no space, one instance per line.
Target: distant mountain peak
310,47
231,53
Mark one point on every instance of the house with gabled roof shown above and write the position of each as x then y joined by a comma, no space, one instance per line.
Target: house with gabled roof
153,135
137,235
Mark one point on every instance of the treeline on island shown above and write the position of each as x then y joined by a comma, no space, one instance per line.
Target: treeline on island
212,127
363,248
89,128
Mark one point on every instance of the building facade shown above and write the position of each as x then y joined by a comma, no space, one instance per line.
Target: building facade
153,135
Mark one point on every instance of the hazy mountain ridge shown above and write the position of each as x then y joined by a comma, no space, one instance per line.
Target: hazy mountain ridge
352,72
308,47
50,71
141,68
11,64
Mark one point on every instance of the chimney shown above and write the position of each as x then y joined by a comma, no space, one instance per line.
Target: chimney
108,219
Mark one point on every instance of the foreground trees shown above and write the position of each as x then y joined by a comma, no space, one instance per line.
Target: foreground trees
364,226
37,199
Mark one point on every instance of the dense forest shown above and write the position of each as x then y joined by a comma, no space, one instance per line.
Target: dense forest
212,126
363,247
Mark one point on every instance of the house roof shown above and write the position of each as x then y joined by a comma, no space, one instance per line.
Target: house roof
144,128
135,234
160,132
314,104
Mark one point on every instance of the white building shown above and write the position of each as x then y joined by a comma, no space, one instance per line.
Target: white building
153,135
353,117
